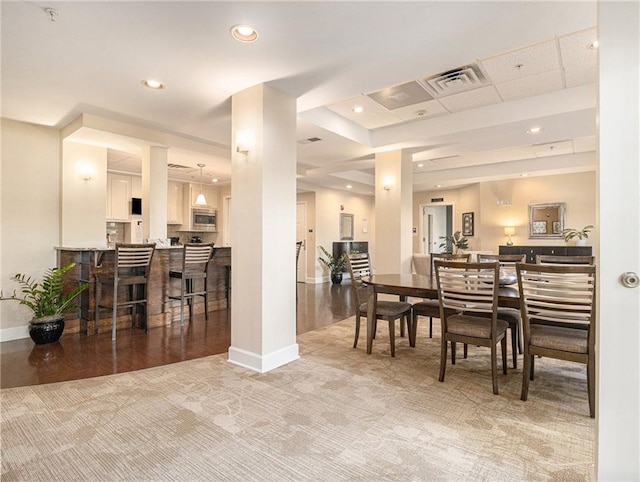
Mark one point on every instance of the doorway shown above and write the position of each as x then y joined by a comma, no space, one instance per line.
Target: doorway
437,221
301,235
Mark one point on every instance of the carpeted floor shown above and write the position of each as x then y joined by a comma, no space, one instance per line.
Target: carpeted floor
335,414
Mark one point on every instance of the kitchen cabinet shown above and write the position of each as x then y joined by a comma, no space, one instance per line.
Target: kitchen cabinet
175,202
118,197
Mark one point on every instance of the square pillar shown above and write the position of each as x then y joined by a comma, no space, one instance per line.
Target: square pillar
154,192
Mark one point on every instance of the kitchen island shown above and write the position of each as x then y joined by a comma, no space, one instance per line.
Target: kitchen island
162,311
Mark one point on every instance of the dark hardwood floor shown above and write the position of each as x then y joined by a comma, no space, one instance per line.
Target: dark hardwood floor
78,356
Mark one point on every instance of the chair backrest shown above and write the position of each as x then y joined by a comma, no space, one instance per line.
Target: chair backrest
133,259
503,259
563,295
359,265
551,259
462,257
196,255
469,287
298,247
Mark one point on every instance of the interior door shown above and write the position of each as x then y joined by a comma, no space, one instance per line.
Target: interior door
434,222
301,235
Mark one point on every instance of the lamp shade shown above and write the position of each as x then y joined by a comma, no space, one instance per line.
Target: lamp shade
509,231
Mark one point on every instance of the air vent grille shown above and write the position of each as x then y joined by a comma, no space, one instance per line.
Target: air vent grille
455,81
309,140
178,167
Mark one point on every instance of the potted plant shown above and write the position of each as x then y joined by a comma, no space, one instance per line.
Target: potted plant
335,265
47,302
454,243
578,236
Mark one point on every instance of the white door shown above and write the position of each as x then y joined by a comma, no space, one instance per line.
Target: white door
434,225
301,235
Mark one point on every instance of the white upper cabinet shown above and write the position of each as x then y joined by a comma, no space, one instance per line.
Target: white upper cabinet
175,202
118,197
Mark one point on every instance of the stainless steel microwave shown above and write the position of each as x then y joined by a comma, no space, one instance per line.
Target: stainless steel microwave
204,219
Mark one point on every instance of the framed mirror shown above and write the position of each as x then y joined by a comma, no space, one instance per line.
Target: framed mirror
346,226
546,220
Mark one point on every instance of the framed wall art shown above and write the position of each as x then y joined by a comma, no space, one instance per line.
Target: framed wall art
467,224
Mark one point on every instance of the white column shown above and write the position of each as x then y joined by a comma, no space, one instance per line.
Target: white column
154,192
393,206
618,372
263,189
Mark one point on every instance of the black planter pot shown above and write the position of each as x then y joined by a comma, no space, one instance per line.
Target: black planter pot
46,330
336,278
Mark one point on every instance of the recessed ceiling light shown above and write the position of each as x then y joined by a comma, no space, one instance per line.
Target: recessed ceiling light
244,33
420,165
593,45
534,130
438,185
215,179
349,186
524,174
153,84
358,109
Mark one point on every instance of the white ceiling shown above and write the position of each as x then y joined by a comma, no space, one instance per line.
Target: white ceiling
526,63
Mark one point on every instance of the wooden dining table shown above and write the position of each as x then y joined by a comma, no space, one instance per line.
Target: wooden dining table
417,286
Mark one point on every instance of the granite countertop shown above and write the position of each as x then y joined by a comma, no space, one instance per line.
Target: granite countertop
104,248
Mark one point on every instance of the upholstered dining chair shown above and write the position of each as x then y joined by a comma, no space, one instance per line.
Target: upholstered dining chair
195,266
359,265
431,308
460,287
131,270
510,315
551,259
558,305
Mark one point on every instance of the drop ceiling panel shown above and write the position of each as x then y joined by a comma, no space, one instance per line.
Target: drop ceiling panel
530,86
523,62
373,116
574,48
553,149
580,74
473,98
401,95
423,110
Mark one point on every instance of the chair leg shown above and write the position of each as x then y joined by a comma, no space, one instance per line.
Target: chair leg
443,358
392,335
113,312
465,350
190,298
412,340
494,368
503,344
519,333
591,384
526,375
402,331
181,301
533,367
430,327
206,299
414,329
355,341
453,352
514,345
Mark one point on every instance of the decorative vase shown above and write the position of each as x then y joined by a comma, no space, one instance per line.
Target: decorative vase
46,330
336,278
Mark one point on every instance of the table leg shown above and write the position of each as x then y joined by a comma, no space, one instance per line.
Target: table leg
371,317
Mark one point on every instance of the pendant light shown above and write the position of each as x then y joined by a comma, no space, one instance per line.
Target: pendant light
200,200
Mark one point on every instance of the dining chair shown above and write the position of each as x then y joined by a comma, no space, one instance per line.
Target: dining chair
558,305
195,266
465,286
510,315
131,270
551,259
431,308
359,265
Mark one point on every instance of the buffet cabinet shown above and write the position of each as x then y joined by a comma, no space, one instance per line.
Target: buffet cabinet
532,251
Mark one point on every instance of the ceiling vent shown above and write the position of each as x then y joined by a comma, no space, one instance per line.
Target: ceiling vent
455,81
410,93
178,167
309,140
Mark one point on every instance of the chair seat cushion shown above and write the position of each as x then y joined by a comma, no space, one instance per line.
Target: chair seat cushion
475,326
188,274
510,315
388,308
427,308
558,338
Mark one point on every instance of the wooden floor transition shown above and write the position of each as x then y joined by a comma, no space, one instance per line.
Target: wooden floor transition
78,356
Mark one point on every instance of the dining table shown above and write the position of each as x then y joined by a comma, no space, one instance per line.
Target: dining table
417,286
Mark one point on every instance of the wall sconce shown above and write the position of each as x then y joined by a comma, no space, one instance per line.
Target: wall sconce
509,231
84,171
386,184
244,141
387,187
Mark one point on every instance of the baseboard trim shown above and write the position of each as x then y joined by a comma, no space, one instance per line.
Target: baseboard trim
14,333
263,363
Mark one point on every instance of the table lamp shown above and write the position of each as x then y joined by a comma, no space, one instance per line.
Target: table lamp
509,231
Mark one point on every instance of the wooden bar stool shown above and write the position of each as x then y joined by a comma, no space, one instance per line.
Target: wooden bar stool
131,269
195,266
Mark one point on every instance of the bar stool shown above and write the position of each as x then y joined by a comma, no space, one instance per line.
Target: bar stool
195,265
132,263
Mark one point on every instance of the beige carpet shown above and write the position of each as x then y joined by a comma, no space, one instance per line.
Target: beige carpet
335,414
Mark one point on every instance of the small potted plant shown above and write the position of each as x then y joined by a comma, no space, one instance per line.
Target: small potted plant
335,265
455,243
47,302
579,237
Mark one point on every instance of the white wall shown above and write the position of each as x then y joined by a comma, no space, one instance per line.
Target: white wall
329,204
29,212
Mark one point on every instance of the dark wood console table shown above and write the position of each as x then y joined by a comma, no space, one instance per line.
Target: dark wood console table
532,251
